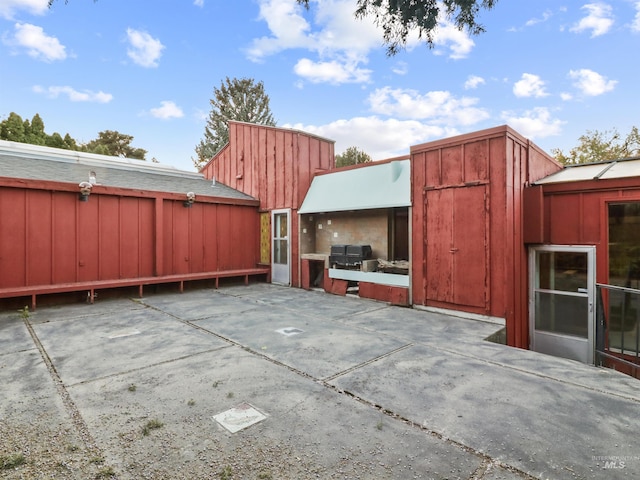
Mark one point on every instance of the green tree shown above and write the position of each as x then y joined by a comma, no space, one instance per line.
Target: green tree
116,144
242,100
352,156
35,135
398,18
598,146
12,128
55,141
70,143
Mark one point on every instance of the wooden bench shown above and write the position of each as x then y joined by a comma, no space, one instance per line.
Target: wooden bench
91,286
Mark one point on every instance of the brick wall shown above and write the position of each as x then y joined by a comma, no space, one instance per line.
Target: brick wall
365,227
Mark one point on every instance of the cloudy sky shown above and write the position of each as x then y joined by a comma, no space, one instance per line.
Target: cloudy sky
551,69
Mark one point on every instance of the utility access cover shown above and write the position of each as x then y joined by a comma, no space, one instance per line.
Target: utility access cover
239,417
289,331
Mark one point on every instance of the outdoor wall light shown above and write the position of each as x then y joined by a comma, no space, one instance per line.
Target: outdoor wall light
191,197
85,191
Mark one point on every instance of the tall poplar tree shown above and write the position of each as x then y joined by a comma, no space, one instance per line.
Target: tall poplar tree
242,100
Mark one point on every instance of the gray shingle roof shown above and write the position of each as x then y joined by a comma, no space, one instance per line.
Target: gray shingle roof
34,162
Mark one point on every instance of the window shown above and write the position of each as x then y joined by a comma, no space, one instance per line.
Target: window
624,244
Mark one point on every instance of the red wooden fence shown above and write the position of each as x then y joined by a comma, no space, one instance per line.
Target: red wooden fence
49,238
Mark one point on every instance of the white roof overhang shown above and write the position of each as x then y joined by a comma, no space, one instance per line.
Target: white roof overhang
384,185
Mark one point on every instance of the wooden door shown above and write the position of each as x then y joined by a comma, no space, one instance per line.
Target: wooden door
456,246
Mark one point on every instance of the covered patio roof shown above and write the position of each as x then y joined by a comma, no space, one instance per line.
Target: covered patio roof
378,185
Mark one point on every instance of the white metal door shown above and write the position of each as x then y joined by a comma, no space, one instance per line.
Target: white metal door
280,251
562,301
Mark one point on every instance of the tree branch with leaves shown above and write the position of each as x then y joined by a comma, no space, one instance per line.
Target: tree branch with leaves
596,146
398,18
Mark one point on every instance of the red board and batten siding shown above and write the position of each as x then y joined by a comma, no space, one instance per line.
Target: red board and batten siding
275,165
575,213
468,250
48,237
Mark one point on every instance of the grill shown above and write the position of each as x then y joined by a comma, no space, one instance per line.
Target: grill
349,255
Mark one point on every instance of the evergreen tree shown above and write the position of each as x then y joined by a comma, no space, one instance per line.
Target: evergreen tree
35,135
242,100
70,143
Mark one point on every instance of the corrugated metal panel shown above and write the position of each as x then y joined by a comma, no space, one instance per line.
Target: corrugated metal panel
385,185
595,171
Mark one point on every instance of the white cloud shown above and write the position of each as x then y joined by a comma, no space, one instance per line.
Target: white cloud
288,29
145,50
566,96
9,7
331,72
457,41
74,95
38,44
400,68
198,3
635,25
536,123
439,106
591,83
529,86
546,15
167,110
599,19
473,82
378,137
341,42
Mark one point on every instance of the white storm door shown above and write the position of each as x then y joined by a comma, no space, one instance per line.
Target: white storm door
562,301
281,251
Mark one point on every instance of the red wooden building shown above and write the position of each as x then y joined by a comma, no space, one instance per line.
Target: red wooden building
583,235
276,166
489,225
134,226
468,252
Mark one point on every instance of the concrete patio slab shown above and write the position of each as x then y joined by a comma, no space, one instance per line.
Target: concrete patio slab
323,349
544,427
363,390
86,348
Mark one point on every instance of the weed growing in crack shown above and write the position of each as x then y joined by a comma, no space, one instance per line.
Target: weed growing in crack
226,473
132,387
106,472
191,402
24,313
151,425
230,395
11,461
